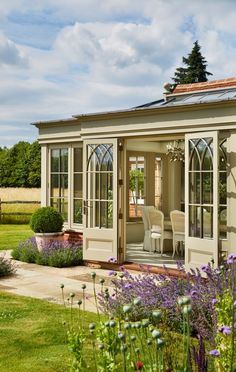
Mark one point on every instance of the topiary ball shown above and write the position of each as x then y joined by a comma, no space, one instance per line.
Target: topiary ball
46,220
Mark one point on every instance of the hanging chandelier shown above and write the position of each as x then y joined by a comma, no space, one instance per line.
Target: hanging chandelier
175,150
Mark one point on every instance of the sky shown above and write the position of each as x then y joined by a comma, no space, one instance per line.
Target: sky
60,58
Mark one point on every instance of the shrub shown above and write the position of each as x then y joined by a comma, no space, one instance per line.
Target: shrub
46,220
161,291
6,266
121,344
26,251
55,253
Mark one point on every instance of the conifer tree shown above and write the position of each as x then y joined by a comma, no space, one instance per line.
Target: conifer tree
195,70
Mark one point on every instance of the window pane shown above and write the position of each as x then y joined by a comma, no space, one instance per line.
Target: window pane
223,187
194,159
223,155
64,185
194,221
55,156
208,222
223,222
64,209
194,187
59,181
93,185
55,185
207,160
106,180
61,205
207,188
78,189
100,157
106,214
78,211
93,209
78,159
107,158
64,160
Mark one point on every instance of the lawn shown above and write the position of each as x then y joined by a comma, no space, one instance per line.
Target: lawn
11,235
32,335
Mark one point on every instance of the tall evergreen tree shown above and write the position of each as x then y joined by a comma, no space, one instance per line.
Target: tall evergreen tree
195,70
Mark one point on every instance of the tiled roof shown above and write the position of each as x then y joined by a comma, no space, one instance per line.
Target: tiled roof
215,84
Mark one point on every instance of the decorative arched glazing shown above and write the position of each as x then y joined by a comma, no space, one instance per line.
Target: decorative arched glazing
99,185
100,158
201,154
201,187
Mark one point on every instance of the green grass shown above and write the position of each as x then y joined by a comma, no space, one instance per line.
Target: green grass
32,335
11,235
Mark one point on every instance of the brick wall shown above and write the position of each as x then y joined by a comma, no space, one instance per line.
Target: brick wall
73,236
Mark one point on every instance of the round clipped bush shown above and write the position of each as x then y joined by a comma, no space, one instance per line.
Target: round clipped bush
46,220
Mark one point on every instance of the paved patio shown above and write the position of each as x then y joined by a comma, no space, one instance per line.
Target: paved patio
44,282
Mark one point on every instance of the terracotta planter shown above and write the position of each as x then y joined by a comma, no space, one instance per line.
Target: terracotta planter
43,239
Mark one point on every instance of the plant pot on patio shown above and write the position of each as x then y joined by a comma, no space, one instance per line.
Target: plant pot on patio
47,225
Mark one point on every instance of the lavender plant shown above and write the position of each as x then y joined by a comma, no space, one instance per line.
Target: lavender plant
55,253
225,306
162,292
26,251
123,344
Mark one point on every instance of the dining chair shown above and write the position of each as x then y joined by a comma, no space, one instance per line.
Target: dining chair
147,232
156,223
178,228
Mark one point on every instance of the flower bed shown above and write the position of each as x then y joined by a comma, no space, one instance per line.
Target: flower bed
142,314
56,254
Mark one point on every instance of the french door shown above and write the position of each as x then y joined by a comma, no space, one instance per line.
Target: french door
201,199
100,199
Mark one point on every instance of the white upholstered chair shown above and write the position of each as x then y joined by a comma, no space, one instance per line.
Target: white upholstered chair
156,223
147,233
178,228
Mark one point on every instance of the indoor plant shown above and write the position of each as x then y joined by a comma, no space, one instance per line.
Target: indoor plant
47,224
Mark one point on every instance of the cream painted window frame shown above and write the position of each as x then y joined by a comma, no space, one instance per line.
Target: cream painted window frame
69,224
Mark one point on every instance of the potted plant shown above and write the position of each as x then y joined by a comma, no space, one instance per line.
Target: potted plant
47,225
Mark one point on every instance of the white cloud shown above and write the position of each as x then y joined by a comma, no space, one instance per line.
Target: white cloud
91,55
10,54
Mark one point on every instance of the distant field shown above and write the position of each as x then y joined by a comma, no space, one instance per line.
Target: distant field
18,194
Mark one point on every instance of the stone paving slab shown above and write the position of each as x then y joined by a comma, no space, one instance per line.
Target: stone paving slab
44,282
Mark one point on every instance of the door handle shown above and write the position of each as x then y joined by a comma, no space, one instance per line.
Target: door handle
86,206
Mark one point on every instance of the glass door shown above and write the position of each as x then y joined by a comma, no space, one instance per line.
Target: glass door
100,200
201,199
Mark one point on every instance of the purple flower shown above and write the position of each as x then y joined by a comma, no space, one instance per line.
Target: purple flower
206,268
112,273
225,330
112,259
235,303
232,256
193,293
214,353
128,286
214,301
